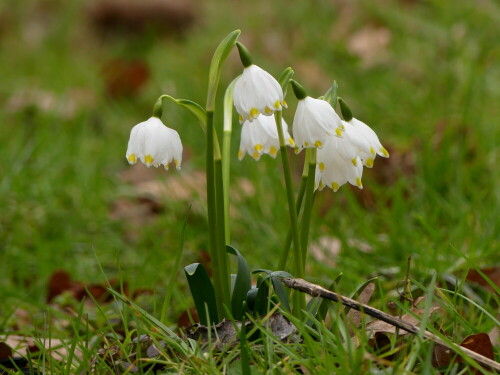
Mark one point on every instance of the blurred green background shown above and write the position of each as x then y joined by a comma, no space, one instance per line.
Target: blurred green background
77,75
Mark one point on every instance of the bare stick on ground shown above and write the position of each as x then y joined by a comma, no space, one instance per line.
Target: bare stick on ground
318,291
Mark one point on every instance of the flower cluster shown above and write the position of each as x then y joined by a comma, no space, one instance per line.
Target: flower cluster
344,146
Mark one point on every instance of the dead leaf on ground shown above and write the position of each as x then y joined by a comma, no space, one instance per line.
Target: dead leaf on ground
479,343
414,319
125,77
355,316
57,348
130,16
326,250
370,44
492,273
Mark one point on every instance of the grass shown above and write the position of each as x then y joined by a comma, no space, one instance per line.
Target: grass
431,95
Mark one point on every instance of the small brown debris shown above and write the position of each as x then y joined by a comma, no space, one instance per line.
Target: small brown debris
492,273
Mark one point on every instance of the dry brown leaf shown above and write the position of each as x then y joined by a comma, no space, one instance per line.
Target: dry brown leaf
370,44
493,273
326,249
119,16
381,326
354,316
22,344
125,77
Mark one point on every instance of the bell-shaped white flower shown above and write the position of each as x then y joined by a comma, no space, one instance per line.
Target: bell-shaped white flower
257,92
154,144
315,120
261,137
333,169
374,148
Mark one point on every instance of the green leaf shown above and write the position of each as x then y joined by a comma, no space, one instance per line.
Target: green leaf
262,301
331,95
242,284
285,77
203,293
282,274
194,108
281,292
218,59
251,298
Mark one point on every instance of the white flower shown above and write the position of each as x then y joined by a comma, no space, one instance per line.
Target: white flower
315,120
154,144
374,148
256,92
261,137
333,169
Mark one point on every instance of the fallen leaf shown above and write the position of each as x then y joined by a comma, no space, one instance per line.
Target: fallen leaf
131,17
381,326
370,44
326,249
5,351
492,273
125,77
479,343
354,316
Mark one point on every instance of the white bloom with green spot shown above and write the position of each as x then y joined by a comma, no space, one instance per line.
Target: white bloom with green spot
333,169
257,92
315,120
261,137
374,148
154,144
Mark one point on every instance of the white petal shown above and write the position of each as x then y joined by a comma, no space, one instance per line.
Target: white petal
375,147
314,121
257,92
334,171
261,137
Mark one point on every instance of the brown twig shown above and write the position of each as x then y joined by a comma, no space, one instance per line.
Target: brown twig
318,291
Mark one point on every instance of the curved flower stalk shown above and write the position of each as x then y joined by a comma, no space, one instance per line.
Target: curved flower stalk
315,120
256,91
154,144
334,170
261,137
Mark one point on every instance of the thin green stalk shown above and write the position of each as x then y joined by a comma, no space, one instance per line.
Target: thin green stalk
226,153
221,245
298,269
212,216
288,241
308,204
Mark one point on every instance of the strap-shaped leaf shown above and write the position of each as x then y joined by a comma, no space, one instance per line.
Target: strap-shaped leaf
324,303
203,293
218,59
242,284
281,292
262,301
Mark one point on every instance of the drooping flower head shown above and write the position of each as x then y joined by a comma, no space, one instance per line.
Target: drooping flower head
256,91
261,137
315,120
334,170
154,144
368,142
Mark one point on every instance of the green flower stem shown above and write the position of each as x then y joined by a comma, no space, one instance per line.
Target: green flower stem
226,153
298,269
215,190
221,237
306,218
288,242
212,217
